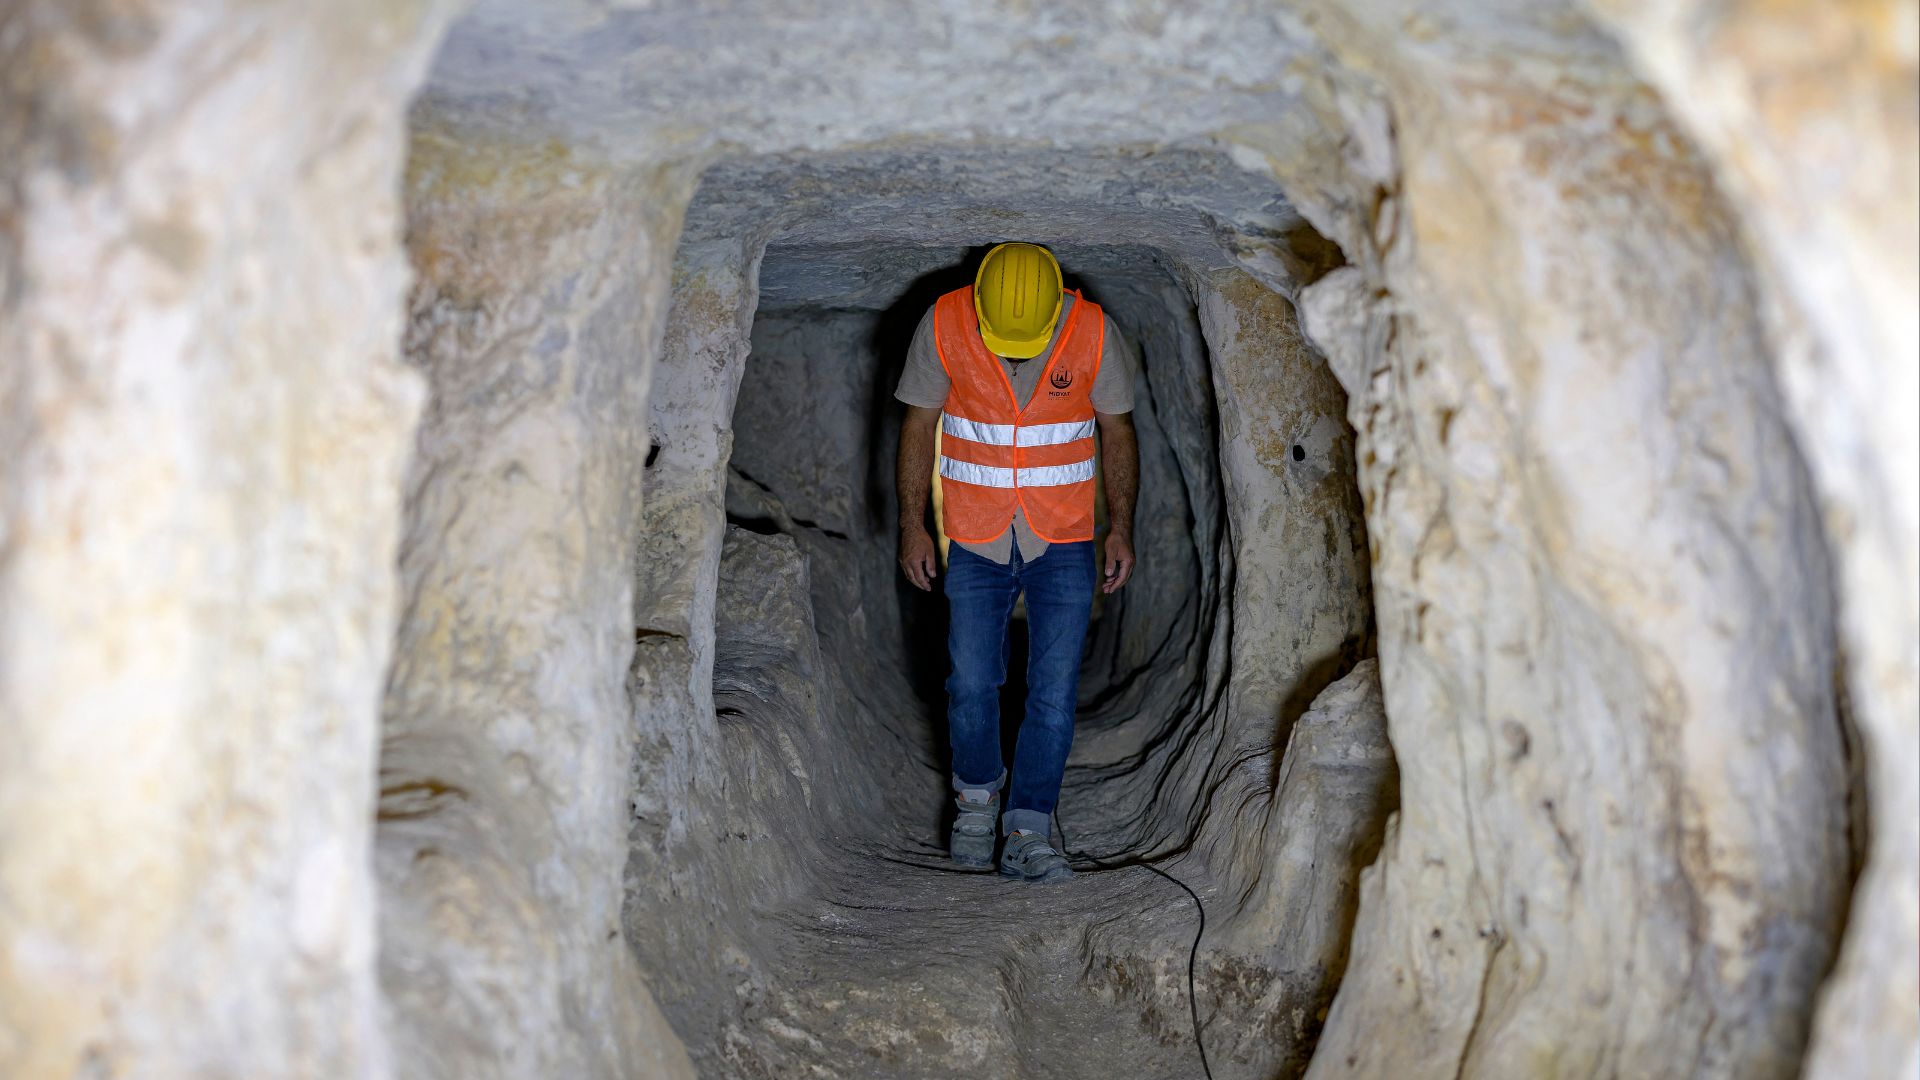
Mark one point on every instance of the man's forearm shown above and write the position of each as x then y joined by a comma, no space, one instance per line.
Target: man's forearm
914,474
1120,466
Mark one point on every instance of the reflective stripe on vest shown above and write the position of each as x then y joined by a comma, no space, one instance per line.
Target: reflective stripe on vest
1033,476
1012,435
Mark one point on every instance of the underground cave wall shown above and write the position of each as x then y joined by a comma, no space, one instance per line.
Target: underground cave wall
505,754
203,425
1605,618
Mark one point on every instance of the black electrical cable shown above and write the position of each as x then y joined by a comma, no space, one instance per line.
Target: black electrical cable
1107,864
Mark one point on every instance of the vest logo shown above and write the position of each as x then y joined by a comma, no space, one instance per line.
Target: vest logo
1060,380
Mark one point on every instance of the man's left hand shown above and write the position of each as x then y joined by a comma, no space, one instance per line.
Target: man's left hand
1119,562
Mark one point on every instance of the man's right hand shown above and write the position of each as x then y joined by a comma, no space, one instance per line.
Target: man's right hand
913,474
916,557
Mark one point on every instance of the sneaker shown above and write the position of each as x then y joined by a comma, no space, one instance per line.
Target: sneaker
1028,856
971,842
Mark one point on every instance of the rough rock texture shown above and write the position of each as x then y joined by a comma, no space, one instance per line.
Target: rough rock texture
504,759
1810,115
1297,523
1642,424
203,425
1336,757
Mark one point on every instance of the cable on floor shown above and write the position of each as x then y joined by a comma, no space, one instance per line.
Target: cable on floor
1110,863
1106,865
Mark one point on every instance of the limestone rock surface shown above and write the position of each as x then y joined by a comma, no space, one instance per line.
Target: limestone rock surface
1809,114
505,755
203,426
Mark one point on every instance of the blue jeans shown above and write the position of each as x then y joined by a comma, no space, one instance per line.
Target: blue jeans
980,597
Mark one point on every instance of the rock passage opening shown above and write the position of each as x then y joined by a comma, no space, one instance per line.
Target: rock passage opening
854,952
1365,429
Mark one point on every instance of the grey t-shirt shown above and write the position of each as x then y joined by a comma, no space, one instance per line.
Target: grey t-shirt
924,382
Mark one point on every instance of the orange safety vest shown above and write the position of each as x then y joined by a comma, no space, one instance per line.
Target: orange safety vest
994,455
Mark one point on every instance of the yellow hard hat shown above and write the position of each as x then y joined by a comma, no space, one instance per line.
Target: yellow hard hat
1017,296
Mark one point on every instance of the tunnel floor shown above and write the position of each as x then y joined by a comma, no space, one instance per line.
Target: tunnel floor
881,959
1017,965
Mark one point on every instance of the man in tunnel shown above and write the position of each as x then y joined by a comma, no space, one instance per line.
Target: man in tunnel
1012,375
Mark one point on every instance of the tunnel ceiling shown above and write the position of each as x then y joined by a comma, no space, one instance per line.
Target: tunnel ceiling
946,194
772,77
874,276
855,229
897,125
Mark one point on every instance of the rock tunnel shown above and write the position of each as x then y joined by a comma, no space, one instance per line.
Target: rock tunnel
826,762
451,624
